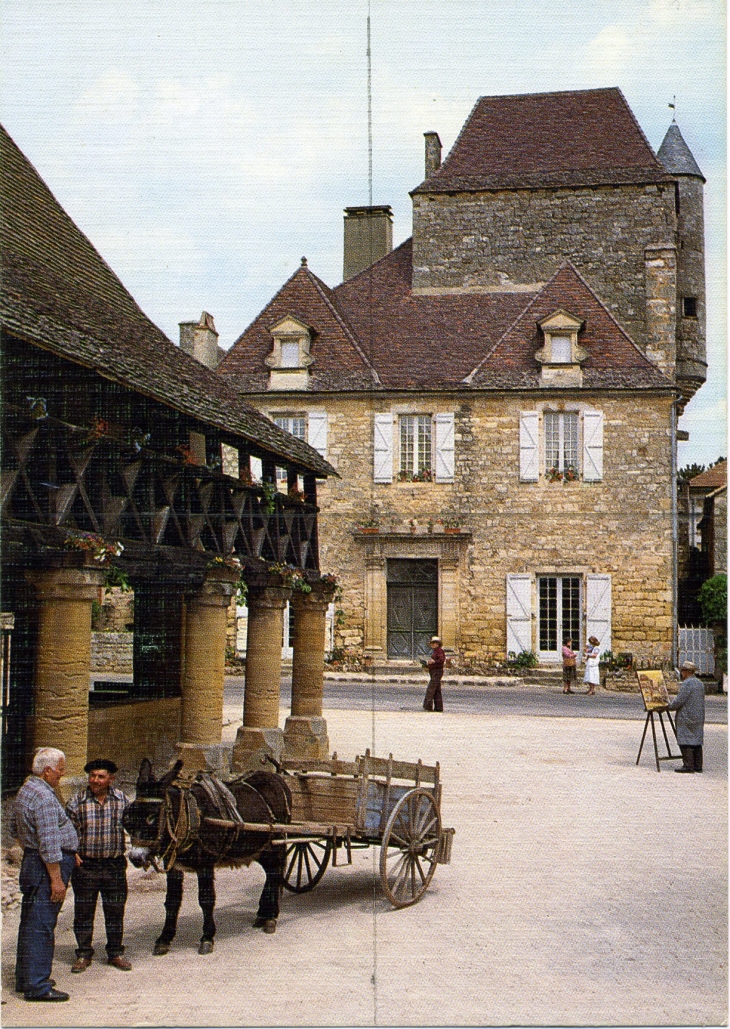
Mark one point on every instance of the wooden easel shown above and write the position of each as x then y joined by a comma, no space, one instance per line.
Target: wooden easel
669,756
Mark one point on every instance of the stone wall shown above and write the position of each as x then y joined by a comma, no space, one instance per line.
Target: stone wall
620,526
507,239
111,651
129,732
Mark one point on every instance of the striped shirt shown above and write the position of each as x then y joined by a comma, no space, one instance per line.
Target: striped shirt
99,825
39,822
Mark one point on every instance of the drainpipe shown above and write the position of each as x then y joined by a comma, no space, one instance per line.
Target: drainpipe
675,536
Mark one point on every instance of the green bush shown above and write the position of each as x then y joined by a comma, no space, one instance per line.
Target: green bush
525,659
713,600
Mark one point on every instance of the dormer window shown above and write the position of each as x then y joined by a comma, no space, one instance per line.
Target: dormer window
561,358
289,359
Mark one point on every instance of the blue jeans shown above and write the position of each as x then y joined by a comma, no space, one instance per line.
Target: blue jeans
38,917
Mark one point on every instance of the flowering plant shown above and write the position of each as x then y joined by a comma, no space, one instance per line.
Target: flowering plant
101,549
291,577
553,475
231,561
571,474
452,521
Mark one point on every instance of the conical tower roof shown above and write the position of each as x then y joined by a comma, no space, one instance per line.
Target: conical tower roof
676,156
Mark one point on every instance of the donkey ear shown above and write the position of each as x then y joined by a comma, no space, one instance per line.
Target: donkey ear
145,771
170,776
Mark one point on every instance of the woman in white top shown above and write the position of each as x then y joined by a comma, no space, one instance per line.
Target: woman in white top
592,673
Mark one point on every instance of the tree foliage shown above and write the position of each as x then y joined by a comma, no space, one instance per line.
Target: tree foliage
713,600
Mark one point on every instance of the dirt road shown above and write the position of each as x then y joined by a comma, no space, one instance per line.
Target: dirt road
583,890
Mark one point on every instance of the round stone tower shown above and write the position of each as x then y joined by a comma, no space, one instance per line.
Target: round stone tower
677,158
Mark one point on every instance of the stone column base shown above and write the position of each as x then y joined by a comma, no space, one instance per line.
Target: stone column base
205,757
305,738
251,747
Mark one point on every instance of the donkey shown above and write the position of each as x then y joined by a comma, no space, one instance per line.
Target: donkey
168,821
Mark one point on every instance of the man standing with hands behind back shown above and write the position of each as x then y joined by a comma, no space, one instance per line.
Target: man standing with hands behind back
49,843
97,814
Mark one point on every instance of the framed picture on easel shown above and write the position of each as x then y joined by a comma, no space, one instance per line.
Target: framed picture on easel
653,689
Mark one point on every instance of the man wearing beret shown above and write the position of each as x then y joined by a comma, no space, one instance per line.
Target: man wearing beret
690,707
97,813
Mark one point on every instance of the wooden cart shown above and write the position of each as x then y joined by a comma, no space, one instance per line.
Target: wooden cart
339,806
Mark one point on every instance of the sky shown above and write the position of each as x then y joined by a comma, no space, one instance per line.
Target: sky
205,146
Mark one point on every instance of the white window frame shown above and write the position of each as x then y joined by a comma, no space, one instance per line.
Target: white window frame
415,454
566,422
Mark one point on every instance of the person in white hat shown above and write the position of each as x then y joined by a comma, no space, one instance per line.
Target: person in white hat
433,701
690,707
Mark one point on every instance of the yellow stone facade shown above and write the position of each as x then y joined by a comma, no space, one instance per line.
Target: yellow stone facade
619,527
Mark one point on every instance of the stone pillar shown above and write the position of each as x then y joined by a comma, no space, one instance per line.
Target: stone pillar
201,716
63,660
305,732
260,734
661,306
376,606
449,600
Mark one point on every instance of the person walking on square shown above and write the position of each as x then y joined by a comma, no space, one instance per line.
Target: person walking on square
49,843
433,701
592,675
569,656
690,707
97,814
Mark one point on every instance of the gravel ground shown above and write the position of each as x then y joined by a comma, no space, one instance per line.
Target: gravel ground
583,890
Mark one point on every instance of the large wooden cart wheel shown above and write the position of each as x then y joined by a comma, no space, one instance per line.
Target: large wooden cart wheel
409,848
306,863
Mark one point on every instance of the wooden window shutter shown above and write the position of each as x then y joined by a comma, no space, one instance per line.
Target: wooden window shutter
444,431
317,431
529,446
519,613
598,609
593,446
383,447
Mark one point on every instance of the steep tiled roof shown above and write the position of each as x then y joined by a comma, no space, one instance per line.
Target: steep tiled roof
712,478
613,361
339,358
577,138
58,292
373,332
676,156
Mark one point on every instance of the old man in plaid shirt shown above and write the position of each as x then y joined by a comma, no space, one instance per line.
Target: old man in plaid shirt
97,815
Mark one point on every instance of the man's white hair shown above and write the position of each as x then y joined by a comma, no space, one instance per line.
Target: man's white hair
47,757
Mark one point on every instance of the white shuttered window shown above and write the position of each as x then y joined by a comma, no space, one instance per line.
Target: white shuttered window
598,609
383,447
593,446
444,433
519,613
529,446
317,431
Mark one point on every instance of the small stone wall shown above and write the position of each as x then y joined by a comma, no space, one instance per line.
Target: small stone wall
111,651
129,732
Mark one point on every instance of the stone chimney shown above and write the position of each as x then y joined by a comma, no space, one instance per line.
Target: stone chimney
368,237
200,340
433,153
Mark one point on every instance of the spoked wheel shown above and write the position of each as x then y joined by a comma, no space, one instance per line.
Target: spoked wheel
409,848
305,864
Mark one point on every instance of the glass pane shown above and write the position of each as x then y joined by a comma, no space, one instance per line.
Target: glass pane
289,355
407,442
560,350
570,441
551,423
424,443
548,593
571,609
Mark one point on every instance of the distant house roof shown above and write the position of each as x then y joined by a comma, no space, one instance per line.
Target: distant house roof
712,478
372,332
577,138
59,293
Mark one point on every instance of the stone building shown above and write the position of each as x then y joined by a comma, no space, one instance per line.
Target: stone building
113,449
500,393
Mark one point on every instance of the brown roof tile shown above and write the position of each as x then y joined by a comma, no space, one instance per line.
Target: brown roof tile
614,359
58,292
712,478
584,137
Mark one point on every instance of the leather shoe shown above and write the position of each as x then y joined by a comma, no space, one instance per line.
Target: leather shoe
121,963
688,771
51,995
80,964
